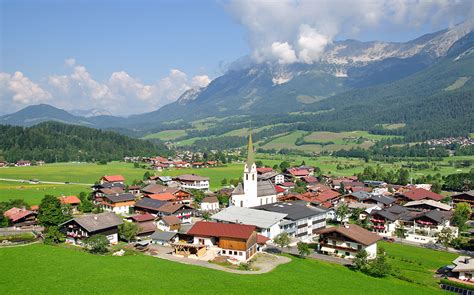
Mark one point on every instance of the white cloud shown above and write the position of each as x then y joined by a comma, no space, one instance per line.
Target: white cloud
17,89
200,81
285,29
70,62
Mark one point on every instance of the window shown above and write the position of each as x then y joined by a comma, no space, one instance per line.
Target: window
359,247
246,177
241,203
240,253
235,252
223,251
348,254
253,176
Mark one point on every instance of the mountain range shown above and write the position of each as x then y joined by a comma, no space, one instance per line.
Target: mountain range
352,79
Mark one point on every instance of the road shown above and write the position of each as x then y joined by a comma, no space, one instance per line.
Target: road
41,181
294,251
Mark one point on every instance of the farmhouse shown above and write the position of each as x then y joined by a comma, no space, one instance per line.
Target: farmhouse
464,197
22,163
192,181
72,201
118,203
112,179
302,221
464,267
273,176
427,204
145,222
347,240
266,222
416,194
169,223
19,217
234,240
164,238
80,228
210,203
252,192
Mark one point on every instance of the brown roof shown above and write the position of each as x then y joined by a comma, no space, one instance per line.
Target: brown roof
211,199
215,229
262,240
154,189
416,194
15,214
143,217
162,196
111,191
69,200
171,220
113,178
170,208
355,233
146,227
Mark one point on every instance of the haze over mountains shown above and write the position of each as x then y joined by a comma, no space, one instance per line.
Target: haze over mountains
351,78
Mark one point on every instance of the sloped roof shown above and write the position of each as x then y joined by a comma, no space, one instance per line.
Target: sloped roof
386,200
463,263
171,220
416,194
163,235
113,178
120,197
264,170
190,177
262,240
215,229
162,196
240,215
210,199
171,208
297,171
154,189
360,195
143,217
150,204
69,200
96,222
15,214
430,203
265,188
355,233
294,210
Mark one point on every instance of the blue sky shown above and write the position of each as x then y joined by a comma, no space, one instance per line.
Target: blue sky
139,55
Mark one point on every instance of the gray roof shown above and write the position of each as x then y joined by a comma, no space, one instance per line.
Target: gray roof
469,193
120,197
150,203
163,235
258,218
383,199
295,210
463,263
268,175
429,202
360,195
264,188
96,222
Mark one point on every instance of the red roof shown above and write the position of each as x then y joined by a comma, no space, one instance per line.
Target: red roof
143,217
298,172
228,230
310,179
417,194
262,240
113,178
264,170
34,208
279,189
72,200
287,184
171,220
327,195
358,189
162,197
15,214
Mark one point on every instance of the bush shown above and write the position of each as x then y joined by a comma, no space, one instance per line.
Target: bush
53,236
97,244
456,284
244,266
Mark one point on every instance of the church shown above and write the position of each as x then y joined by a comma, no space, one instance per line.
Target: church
252,192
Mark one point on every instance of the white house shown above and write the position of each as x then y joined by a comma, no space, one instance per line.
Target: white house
192,181
252,192
347,240
267,223
210,203
464,267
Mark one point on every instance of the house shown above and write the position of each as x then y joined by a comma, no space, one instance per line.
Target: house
183,212
236,241
164,238
292,173
145,222
134,189
210,203
416,194
310,180
192,181
22,163
252,192
263,170
82,227
302,221
169,223
427,204
72,201
112,179
273,176
118,203
180,195
19,217
464,267
267,223
359,196
3,164
347,240
168,197
464,197
380,200
420,227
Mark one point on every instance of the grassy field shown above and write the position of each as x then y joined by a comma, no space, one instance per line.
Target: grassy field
33,193
325,141
44,269
417,264
166,135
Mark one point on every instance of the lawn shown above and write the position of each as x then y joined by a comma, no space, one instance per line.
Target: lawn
89,173
417,264
33,193
44,269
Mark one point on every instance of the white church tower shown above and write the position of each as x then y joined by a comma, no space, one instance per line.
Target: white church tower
250,176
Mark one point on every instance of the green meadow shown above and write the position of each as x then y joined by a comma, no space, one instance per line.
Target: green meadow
44,269
166,135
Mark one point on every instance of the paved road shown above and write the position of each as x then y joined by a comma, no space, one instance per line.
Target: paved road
41,181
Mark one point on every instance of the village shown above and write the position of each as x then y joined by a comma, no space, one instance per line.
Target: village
334,219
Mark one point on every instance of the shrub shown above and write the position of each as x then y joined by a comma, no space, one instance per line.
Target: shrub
97,244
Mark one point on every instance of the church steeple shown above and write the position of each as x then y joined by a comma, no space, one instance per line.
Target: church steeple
250,152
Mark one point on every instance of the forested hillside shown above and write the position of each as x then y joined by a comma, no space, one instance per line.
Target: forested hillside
52,141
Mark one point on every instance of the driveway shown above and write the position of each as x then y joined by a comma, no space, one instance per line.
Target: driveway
294,251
